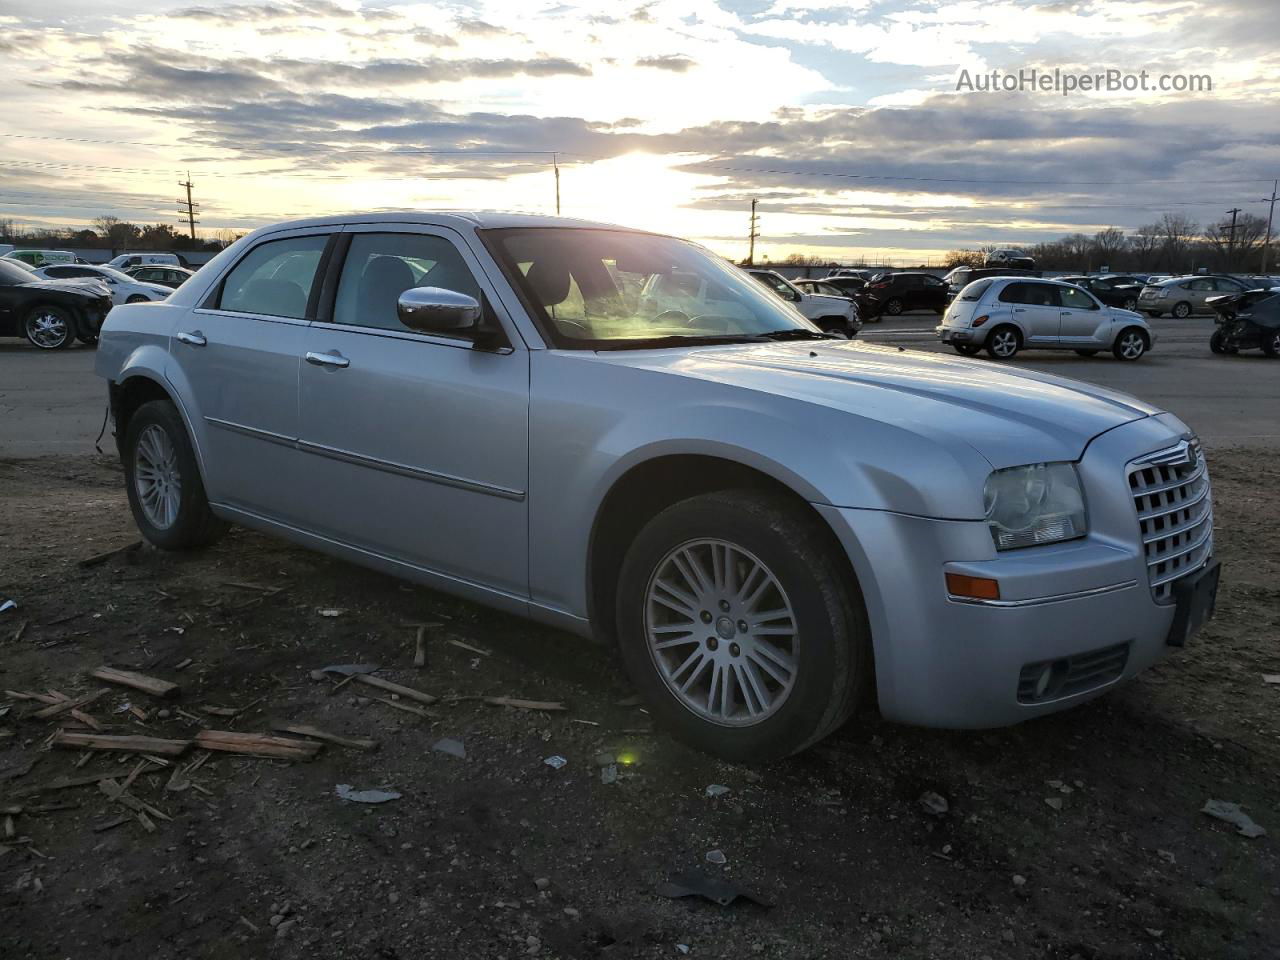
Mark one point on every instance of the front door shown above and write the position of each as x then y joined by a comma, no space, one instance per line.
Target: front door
237,359
416,445
1081,316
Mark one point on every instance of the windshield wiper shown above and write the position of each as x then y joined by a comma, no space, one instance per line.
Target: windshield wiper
700,340
797,333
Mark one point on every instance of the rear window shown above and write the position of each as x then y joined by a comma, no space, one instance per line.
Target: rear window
975,290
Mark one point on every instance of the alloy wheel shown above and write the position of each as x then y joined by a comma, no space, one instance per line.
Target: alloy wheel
721,632
47,330
156,477
1004,343
1132,345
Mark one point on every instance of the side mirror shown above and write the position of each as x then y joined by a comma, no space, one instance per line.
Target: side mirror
436,310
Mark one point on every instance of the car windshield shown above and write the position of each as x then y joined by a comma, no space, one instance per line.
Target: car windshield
11,273
610,289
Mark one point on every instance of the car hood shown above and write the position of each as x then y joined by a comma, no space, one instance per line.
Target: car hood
81,287
1010,416
159,288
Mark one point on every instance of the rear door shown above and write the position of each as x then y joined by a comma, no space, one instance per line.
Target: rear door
237,357
416,445
1036,310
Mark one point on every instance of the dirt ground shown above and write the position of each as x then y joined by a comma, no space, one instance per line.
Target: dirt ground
500,855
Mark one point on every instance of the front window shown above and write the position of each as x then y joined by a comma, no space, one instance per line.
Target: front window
610,289
1075,299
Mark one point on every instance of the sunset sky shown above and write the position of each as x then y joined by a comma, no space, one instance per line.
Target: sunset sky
841,117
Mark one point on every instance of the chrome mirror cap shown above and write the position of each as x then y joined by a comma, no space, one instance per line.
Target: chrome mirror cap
436,310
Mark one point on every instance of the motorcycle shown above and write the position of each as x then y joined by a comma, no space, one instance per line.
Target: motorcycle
1246,321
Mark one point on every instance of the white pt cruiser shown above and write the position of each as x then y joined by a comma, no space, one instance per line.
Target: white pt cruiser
773,526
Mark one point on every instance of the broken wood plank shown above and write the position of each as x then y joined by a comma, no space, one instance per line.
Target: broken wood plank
98,558
257,744
67,783
306,730
22,628
89,721
38,697
136,681
115,792
548,705
420,648
65,706
406,707
220,711
127,744
111,824
466,646
390,687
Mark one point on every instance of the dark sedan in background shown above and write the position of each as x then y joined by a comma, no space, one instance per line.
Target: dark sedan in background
895,293
52,314
162,274
1115,291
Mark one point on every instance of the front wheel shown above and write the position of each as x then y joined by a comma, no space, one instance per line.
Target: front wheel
49,327
1130,345
1271,343
137,298
1004,343
738,626
893,307
1218,342
166,493
1182,310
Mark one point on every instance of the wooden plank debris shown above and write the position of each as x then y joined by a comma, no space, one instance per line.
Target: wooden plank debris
517,703
98,558
306,730
127,744
257,744
406,707
136,681
64,706
390,687
67,783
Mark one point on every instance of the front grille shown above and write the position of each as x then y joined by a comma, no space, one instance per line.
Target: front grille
1071,675
1174,502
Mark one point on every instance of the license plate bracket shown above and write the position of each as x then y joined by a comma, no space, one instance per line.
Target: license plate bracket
1196,598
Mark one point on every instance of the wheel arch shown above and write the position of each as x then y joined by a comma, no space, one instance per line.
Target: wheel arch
141,385
648,487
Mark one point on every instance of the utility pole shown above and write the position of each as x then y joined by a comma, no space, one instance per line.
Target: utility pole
1231,239
190,206
556,166
1266,244
752,234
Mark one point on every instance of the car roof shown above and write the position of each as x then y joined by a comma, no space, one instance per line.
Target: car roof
458,219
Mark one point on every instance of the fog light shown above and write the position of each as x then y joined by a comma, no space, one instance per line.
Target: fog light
1043,681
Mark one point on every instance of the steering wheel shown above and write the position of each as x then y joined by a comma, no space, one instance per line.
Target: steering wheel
585,331
679,316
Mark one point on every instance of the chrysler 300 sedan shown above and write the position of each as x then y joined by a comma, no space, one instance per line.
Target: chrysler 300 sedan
774,526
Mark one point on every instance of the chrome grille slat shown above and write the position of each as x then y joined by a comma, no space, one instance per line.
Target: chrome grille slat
1172,498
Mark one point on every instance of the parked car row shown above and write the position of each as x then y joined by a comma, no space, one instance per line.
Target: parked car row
51,314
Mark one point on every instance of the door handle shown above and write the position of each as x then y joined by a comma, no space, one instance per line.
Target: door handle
327,360
195,338
1019,309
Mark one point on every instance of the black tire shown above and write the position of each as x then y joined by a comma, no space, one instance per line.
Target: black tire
137,298
1130,303
48,326
1182,309
1121,349
997,341
967,349
89,340
1218,342
194,525
834,325
1153,313
893,306
1271,344
1087,353
831,645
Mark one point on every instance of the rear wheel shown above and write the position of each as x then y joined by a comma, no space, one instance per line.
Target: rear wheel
1130,345
137,298
1087,353
1182,310
166,493
1271,343
739,628
1218,342
1004,343
893,306
49,327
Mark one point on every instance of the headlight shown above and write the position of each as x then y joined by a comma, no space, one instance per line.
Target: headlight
1038,503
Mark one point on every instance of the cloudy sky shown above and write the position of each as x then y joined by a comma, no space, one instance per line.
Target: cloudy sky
841,116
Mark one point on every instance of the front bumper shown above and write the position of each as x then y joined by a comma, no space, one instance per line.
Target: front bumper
1085,605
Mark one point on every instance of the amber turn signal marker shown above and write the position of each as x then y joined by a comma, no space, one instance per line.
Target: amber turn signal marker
979,588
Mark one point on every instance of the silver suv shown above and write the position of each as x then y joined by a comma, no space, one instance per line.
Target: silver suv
773,526
1006,314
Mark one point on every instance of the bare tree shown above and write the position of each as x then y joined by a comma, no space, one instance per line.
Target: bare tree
1145,243
1230,251
964,258
1108,244
1179,232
